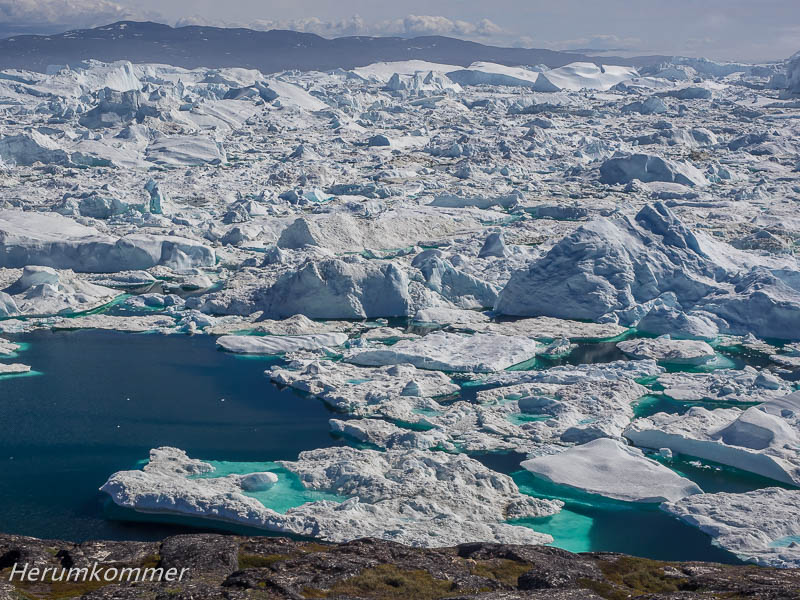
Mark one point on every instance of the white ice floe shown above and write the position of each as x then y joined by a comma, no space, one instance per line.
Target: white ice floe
13,369
761,527
133,323
49,239
725,385
612,469
552,328
428,499
665,349
279,344
294,325
387,435
480,353
443,315
359,390
7,347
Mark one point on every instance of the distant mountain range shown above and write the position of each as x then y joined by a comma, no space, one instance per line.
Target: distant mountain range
268,51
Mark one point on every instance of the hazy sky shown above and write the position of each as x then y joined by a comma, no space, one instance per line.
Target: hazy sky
753,30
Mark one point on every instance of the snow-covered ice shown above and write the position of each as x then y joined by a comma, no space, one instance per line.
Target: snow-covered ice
428,499
763,439
664,349
407,236
761,527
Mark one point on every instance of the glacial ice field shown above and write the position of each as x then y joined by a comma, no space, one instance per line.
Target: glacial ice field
412,301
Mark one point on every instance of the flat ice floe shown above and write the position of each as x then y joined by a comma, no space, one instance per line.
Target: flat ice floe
544,328
138,323
480,353
664,349
399,389
725,385
13,369
279,344
428,499
49,239
7,347
761,527
612,469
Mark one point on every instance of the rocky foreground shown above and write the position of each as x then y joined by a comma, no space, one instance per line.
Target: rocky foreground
220,566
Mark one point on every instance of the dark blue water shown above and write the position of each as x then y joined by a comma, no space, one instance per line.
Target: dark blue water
106,398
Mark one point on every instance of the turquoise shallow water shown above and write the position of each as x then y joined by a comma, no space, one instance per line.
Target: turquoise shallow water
713,477
785,542
31,373
287,493
590,523
656,403
522,418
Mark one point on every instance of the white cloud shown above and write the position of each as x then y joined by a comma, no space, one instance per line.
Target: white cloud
412,25
417,25
353,26
78,13
598,42
432,25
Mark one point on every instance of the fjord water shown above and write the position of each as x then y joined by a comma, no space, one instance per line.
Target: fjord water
591,523
104,399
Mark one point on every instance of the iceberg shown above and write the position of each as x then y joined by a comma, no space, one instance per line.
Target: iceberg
45,291
49,239
724,385
648,168
178,151
334,289
762,439
617,270
574,76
